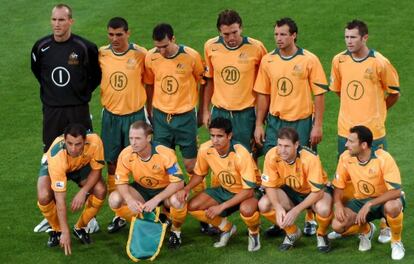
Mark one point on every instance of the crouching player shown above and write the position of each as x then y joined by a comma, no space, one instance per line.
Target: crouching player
294,180
76,156
377,183
237,173
157,177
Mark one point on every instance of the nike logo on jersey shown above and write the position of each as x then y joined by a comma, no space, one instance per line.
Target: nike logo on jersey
44,49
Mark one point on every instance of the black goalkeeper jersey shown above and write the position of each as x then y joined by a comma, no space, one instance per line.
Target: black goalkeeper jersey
68,72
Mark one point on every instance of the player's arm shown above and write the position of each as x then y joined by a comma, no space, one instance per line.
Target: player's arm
207,94
35,64
200,105
262,108
392,99
95,74
385,197
274,200
133,204
316,133
339,206
215,210
65,242
149,89
172,188
184,192
293,213
80,198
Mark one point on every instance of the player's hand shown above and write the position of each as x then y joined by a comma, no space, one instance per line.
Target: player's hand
65,243
150,205
280,216
340,213
315,135
135,206
214,211
78,201
290,217
361,217
259,135
206,118
182,195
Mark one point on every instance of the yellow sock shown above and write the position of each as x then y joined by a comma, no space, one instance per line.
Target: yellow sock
111,183
252,222
396,225
271,216
291,229
383,223
50,213
309,215
323,224
218,221
178,217
364,229
352,230
92,206
124,212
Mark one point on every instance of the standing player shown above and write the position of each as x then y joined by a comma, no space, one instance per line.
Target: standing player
66,67
175,72
295,180
232,62
237,173
377,183
76,156
368,85
157,177
123,96
289,78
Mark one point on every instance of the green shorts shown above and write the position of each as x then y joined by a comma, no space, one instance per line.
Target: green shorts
179,129
221,195
146,193
376,212
115,132
376,144
297,197
274,123
76,176
243,123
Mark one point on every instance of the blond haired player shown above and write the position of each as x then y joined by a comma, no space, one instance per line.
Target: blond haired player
156,179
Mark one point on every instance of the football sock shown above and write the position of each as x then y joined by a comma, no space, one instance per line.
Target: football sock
310,216
323,224
383,223
111,183
271,216
291,229
396,225
352,230
364,228
50,213
124,212
178,217
252,222
218,221
92,206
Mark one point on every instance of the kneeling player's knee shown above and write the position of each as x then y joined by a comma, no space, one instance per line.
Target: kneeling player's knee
337,226
324,210
45,195
99,190
393,208
247,210
264,204
115,200
175,203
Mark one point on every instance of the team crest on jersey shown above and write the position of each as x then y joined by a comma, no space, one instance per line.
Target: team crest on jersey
265,178
156,167
297,70
59,185
372,172
369,74
131,63
180,68
243,58
73,59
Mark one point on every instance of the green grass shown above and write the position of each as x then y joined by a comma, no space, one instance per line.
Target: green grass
320,31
